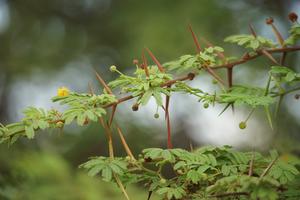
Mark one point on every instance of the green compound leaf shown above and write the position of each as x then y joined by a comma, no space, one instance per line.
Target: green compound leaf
294,35
249,41
176,192
252,96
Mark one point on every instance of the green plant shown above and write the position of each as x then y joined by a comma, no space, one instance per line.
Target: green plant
208,172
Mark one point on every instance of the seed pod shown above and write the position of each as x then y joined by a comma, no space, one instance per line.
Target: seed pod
135,107
191,76
242,125
269,20
156,115
297,96
293,16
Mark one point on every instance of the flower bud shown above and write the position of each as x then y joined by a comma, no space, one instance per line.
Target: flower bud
113,68
162,181
63,91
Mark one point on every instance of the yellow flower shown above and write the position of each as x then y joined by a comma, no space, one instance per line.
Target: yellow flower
63,91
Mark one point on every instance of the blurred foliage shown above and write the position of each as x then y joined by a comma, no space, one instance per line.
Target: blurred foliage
45,175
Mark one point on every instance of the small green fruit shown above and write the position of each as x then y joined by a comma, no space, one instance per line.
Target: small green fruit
214,81
127,158
113,68
242,125
156,115
162,181
205,105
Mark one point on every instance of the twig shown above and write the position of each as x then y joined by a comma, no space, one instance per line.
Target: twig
190,76
252,30
102,82
170,146
119,182
268,55
109,138
145,65
113,111
265,172
195,39
160,67
250,173
124,143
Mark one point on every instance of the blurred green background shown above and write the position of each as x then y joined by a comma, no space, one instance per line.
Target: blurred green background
51,43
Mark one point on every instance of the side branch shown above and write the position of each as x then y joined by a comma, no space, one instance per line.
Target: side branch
259,53
191,76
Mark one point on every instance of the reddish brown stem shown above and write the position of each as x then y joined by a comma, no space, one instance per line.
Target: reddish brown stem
190,76
170,146
252,30
109,137
124,143
268,55
145,64
259,53
160,67
251,164
278,35
102,82
113,111
229,76
196,42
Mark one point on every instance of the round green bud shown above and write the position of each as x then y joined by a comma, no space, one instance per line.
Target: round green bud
205,105
214,81
156,115
113,68
127,158
162,181
242,125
